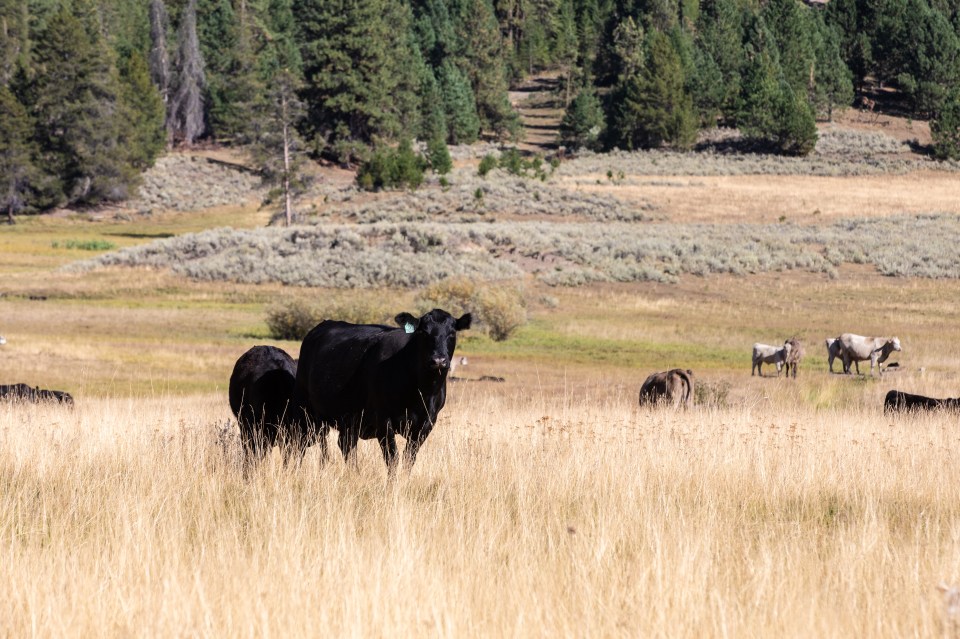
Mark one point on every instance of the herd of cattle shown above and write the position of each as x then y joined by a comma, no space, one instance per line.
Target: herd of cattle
370,381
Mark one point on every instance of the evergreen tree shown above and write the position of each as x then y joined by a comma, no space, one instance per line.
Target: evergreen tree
357,69
463,123
793,30
481,59
278,148
75,97
718,60
438,155
945,128
185,113
14,37
582,122
229,68
654,107
833,83
144,134
17,170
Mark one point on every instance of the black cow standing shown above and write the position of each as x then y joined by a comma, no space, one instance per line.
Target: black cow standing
261,394
377,382
898,401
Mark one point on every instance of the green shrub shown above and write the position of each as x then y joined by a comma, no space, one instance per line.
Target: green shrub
498,310
85,245
292,320
487,164
583,121
392,169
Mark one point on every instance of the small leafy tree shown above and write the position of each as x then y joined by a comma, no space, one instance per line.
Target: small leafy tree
583,121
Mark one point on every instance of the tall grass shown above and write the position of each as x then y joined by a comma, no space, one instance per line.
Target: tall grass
525,515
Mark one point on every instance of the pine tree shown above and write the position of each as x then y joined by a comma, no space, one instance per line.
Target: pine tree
719,59
945,128
481,59
75,97
582,122
463,123
144,133
14,37
360,83
793,29
16,154
833,83
654,107
278,148
185,113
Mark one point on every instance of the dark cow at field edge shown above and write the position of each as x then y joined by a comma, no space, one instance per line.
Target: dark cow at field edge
261,393
33,394
673,387
898,402
375,382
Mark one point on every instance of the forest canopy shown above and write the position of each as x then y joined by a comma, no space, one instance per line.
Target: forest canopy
92,91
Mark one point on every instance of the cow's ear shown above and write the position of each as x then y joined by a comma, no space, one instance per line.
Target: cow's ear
407,322
464,322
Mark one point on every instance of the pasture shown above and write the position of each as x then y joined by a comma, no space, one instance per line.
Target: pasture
549,504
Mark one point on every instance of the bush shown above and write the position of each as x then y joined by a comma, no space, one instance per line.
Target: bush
294,319
487,164
85,245
392,169
497,309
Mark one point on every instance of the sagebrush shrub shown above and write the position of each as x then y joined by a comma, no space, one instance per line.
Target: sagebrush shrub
497,309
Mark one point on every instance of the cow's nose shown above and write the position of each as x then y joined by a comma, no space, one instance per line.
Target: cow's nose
441,363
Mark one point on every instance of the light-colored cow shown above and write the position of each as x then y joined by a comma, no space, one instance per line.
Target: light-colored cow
794,355
457,361
3,340
857,348
834,351
766,354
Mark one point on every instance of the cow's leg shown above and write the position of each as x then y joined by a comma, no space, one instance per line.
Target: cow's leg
347,439
779,366
416,439
388,446
753,368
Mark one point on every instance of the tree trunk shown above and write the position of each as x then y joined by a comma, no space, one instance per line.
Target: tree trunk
287,206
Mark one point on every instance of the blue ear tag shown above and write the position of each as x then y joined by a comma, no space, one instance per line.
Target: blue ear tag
408,327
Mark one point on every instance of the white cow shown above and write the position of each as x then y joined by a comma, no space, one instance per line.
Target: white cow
835,350
857,348
3,340
766,354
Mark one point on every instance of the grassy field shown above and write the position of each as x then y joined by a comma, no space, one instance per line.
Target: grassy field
545,505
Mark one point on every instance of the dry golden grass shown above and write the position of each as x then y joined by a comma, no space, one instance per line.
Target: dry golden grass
526,515
803,199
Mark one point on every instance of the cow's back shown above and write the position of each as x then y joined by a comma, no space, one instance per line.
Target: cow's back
333,366
262,384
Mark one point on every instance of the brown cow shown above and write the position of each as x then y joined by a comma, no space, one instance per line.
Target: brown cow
673,386
794,355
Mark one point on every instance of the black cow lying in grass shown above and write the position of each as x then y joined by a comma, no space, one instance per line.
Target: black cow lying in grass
33,394
376,382
898,401
261,394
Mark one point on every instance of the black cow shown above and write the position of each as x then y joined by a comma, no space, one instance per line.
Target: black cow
261,394
33,394
371,381
898,401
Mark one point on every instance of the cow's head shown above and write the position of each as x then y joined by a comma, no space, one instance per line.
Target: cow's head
894,343
435,335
